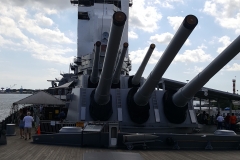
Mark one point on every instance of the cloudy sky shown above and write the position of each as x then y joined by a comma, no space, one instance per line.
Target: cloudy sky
38,39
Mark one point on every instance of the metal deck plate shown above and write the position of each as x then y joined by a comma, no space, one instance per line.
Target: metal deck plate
224,133
93,128
111,156
70,130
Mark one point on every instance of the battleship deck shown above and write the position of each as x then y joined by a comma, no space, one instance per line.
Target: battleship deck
17,148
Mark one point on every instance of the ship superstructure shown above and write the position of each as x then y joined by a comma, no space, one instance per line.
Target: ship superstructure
110,103
105,91
94,22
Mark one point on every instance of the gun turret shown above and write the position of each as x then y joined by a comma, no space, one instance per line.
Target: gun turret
189,90
138,105
101,106
175,104
117,72
94,75
137,77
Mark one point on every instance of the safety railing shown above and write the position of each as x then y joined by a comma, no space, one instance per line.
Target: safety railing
49,127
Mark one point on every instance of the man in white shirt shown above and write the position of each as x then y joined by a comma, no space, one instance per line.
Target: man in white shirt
28,125
220,120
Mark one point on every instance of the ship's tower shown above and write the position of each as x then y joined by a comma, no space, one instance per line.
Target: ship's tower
94,22
234,84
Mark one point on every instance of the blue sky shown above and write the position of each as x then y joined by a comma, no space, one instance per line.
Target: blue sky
38,39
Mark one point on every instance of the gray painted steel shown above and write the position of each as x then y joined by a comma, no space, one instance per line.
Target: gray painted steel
177,141
185,93
10,130
102,95
139,137
127,125
117,73
143,94
95,69
138,75
224,133
95,139
70,130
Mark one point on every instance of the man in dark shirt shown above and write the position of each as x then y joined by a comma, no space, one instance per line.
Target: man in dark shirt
226,121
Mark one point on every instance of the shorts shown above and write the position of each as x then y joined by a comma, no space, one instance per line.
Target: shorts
27,130
21,124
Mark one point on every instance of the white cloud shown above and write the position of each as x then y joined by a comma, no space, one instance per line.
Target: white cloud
13,25
9,28
237,31
226,13
156,55
138,56
53,71
189,56
47,34
41,4
194,70
132,35
175,22
43,20
167,3
12,11
4,42
144,16
13,35
225,40
202,47
197,55
165,38
48,53
234,67
50,11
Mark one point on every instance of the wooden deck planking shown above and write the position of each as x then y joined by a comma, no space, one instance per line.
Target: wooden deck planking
19,149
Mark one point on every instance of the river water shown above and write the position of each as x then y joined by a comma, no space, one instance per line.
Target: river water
6,101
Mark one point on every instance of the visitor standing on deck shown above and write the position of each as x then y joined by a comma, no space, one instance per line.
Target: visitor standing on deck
233,121
227,121
21,124
62,116
28,125
220,120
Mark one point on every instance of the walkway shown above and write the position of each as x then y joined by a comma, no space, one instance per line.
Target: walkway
19,149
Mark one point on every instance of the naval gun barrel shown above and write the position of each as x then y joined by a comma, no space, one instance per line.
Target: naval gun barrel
118,69
137,77
184,94
143,94
94,75
102,93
